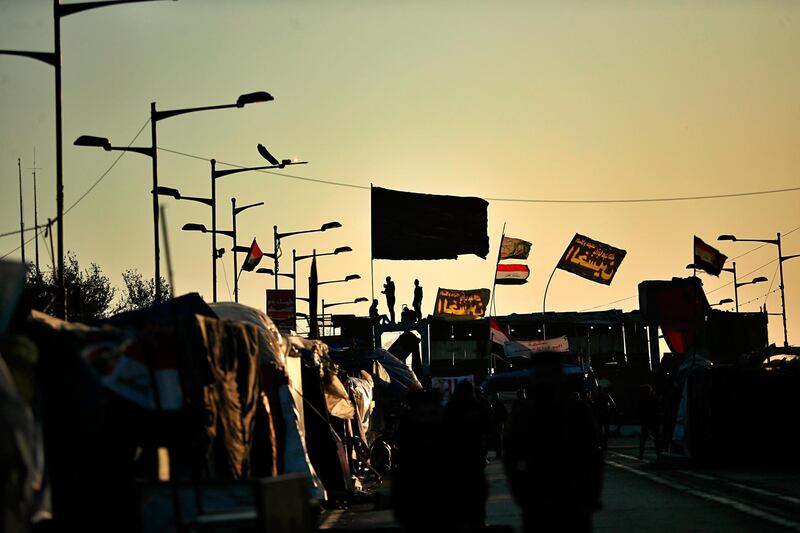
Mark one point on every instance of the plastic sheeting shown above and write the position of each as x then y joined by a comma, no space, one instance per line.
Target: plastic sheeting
295,457
273,345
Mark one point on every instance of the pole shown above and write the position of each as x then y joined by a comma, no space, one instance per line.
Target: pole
323,317
35,212
735,287
166,250
276,244
61,296
494,275
294,288
52,250
154,157
235,262
213,231
544,301
21,217
783,295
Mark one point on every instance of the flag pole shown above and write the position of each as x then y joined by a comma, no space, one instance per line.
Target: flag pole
371,258
544,301
493,309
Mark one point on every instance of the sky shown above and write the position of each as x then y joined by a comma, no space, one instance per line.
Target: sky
515,100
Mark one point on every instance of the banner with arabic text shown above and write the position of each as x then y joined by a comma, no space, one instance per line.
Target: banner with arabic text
526,348
454,303
591,259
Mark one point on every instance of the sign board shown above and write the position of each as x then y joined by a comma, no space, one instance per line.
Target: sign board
453,303
281,309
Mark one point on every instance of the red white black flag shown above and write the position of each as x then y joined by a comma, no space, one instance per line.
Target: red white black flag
707,257
253,257
508,274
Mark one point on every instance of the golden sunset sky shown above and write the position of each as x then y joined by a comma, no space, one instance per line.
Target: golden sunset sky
503,100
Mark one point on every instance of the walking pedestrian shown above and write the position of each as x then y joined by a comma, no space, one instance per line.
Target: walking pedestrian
650,418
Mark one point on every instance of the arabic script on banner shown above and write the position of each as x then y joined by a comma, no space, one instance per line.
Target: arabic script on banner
453,303
526,348
591,259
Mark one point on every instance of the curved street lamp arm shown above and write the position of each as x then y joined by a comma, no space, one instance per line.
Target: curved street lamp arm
240,209
45,57
148,151
62,10
786,257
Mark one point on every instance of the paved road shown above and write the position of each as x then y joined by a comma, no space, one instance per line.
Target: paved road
649,496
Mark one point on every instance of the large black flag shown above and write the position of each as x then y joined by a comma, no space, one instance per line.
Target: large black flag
407,225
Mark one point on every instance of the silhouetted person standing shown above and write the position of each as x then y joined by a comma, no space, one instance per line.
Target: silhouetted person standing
552,456
650,418
499,417
605,407
388,290
417,303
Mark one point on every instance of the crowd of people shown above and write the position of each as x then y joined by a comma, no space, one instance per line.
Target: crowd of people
550,443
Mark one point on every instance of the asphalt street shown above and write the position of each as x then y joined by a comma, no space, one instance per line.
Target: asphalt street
647,496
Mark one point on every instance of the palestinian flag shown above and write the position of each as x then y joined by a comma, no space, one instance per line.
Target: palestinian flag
707,257
254,256
512,274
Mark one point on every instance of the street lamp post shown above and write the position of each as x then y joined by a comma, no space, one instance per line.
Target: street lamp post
235,211
152,152
278,236
216,174
725,269
215,254
781,259
54,59
325,306
296,258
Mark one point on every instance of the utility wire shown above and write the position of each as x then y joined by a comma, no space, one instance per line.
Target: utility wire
85,194
522,200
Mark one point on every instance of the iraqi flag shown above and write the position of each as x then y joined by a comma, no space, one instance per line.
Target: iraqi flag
511,274
707,257
499,337
253,257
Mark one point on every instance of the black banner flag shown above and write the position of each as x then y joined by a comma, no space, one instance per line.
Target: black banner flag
591,259
407,225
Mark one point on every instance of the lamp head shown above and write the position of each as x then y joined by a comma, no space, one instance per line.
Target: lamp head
359,300
342,249
252,98
168,191
263,152
726,238
352,277
265,271
725,301
91,140
330,225
194,227
759,279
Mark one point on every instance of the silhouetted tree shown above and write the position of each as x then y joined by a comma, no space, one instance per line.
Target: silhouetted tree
139,293
89,292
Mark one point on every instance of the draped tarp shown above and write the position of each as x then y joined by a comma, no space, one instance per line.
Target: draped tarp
407,225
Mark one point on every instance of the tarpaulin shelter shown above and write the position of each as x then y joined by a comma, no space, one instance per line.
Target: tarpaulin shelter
180,380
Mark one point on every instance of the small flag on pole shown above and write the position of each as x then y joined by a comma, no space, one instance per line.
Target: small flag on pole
707,257
512,274
512,248
253,257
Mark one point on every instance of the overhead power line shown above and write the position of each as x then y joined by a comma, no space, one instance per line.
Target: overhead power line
523,200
